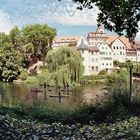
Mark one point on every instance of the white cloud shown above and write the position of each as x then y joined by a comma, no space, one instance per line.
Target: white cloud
5,23
66,13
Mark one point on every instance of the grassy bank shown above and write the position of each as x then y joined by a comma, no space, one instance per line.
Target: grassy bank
44,76
107,112
94,79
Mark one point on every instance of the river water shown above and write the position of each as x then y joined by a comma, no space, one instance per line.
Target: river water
22,92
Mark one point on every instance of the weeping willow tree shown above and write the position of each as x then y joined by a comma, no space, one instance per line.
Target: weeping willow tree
65,66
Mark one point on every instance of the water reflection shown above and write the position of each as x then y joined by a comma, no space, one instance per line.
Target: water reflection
23,92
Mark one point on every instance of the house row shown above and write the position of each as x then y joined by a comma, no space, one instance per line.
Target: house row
99,50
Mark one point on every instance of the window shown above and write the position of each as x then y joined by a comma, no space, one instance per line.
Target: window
102,64
106,64
110,64
110,53
120,53
96,59
92,59
106,58
92,68
102,53
92,53
114,47
96,68
117,47
82,51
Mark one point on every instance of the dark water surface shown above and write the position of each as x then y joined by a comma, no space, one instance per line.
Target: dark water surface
22,92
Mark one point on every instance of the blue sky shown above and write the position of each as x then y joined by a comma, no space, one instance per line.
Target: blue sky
61,15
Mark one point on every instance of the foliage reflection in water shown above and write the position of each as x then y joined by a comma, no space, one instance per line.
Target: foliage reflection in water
22,92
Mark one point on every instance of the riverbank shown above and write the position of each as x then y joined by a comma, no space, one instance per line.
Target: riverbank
88,80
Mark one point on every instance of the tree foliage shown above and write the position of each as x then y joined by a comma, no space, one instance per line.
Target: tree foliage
16,38
65,65
40,37
121,16
117,86
10,63
30,43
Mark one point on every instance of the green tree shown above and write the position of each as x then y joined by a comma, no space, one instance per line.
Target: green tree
121,16
10,63
16,38
4,38
41,37
65,66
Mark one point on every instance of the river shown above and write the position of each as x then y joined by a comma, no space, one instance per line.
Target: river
21,92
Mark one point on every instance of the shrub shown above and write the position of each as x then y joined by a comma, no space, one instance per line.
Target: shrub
23,75
103,72
43,76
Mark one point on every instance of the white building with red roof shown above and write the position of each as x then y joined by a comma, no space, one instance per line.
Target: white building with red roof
99,50
118,49
65,41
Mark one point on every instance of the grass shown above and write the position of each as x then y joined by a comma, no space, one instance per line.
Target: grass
107,112
49,114
94,79
31,80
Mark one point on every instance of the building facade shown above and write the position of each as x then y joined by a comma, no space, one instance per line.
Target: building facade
99,50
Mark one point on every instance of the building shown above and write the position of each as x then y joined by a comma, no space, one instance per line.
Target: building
90,57
99,50
95,58
118,48
65,41
106,57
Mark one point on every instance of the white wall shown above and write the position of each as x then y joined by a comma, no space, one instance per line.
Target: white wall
132,58
138,56
90,62
106,57
86,61
119,50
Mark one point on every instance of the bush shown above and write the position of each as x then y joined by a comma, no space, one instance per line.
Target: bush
32,80
23,75
12,128
43,76
94,79
103,72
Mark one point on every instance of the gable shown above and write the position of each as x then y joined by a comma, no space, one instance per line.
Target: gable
118,42
104,47
82,43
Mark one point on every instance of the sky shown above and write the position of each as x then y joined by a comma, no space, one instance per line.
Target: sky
63,16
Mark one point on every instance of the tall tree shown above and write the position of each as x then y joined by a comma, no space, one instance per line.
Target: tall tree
16,38
121,16
65,65
10,63
4,38
41,37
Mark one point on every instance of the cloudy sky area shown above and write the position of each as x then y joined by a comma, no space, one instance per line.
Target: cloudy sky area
62,15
